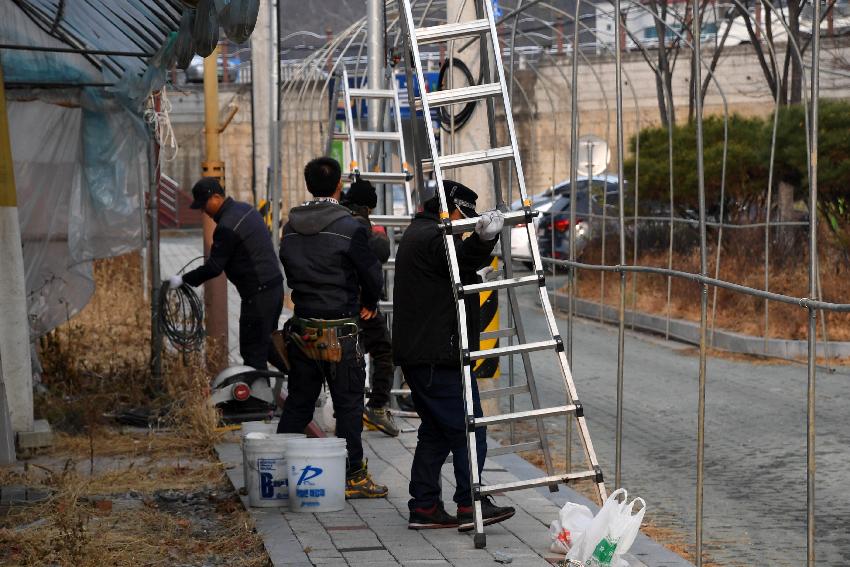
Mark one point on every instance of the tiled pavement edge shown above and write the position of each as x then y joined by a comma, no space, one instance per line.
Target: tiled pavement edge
374,532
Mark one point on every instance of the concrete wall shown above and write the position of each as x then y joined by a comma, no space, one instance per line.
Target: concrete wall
541,112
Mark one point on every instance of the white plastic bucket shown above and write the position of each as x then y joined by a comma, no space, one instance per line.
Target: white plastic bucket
267,427
316,470
266,459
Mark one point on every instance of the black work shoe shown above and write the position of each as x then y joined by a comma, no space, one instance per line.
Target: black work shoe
431,518
491,514
380,419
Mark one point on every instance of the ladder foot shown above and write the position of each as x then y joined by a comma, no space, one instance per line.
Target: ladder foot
480,541
553,488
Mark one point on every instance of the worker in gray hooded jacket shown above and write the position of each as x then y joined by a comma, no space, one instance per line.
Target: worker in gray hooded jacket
336,280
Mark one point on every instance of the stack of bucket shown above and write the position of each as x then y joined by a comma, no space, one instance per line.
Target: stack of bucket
287,469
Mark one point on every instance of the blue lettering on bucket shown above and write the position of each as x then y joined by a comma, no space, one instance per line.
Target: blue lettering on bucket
309,472
266,485
308,504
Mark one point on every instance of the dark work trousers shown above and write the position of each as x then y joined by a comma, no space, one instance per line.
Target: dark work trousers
376,342
346,381
438,396
258,317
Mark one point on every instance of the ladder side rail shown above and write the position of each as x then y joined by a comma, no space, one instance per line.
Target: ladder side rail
584,434
354,165
453,266
402,154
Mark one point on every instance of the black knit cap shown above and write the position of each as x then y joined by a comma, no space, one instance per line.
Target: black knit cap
462,197
203,190
362,193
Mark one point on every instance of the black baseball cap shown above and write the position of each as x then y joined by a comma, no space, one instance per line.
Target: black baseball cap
462,197
203,190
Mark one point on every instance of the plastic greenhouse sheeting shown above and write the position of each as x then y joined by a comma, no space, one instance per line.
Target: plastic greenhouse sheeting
81,172
80,154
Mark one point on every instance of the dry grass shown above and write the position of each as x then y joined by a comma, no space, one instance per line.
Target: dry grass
96,364
743,264
69,529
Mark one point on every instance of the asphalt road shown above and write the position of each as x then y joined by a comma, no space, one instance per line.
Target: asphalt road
755,467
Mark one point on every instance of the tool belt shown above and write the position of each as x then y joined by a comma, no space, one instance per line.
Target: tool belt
319,339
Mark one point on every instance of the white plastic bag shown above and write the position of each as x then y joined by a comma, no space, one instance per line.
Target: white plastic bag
572,521
611,533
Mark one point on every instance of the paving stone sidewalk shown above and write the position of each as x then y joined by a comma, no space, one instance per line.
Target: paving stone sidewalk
374,532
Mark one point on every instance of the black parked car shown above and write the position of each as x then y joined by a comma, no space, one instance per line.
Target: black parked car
553,231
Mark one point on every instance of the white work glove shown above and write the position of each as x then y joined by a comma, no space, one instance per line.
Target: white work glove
490,224
175,281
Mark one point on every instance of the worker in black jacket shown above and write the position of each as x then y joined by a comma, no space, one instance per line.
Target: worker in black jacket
426,346
362,199
242,249
336,280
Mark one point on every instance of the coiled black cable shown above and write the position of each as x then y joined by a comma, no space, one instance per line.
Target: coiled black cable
462,117
181,316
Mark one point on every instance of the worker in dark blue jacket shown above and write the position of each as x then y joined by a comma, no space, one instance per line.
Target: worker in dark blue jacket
242,249
426,346
336,281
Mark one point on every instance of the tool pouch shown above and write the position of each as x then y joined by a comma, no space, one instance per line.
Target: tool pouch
280,341
317,343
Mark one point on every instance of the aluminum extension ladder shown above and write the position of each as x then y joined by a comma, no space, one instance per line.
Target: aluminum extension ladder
484,28
354,136
392,112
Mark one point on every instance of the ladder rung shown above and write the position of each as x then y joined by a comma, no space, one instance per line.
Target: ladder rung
382,176
476,157
445,32
341,136
371,93
522,415
501,392
515,448
500,284
535,482
400,392
391,220
365,136
385,306
464,94
514,349
511,219
497,334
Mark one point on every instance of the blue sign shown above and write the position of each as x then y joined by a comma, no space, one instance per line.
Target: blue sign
497,11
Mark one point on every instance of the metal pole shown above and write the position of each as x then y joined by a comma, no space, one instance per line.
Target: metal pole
573,191
374,57
621,330
275,183
703,323
156,278
813,273
215,290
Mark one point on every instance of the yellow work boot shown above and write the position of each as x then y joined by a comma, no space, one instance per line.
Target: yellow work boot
359,484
